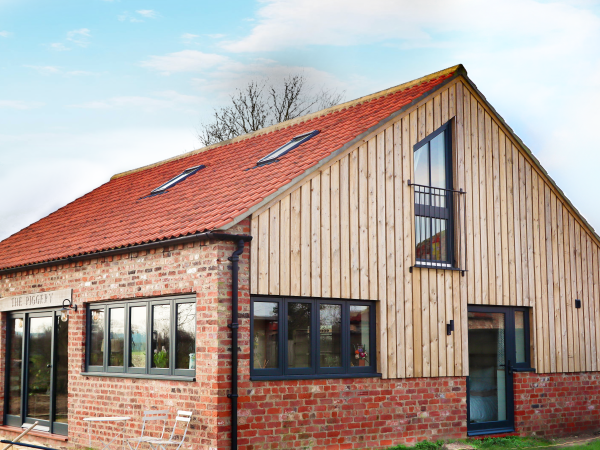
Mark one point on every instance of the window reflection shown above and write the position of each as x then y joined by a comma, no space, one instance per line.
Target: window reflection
487,365
299,334
137,336
62,371
266,329
97,338
520,344
15,365
330,335
186,336
117,336
160,336
438,162
359,336
39,373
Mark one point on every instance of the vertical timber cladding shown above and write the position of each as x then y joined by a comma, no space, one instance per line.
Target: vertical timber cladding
347,231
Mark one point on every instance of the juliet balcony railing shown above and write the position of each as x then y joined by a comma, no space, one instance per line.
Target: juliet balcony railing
440,218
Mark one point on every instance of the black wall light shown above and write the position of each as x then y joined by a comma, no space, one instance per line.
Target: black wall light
450,328
67,306
577,303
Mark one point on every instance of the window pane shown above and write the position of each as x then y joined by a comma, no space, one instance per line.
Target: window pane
117,336
359,336
266,332
39,373
438,161
423,237
15,366
161,326
137,336
438,240
330,335
422,165
520,336
299,334
487,367
186,336
97,338
62,371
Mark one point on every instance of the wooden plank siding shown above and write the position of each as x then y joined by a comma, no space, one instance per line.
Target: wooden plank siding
347,231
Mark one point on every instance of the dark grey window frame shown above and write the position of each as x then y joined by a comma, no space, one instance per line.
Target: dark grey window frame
282,372
18,421
137,372
433,212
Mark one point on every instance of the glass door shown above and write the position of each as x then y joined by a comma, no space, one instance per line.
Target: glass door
499,345
39,369
37,383
489,385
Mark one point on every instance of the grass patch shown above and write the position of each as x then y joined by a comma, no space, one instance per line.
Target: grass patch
505,443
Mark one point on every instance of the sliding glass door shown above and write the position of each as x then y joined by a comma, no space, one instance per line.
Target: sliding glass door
37,382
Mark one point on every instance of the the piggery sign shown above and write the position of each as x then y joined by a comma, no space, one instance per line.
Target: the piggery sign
36,300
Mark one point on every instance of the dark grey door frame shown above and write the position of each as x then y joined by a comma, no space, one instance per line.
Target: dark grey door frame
510,365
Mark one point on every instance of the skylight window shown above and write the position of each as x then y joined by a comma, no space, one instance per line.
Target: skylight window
294,142
173,181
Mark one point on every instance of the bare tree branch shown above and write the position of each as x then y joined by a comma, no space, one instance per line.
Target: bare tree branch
251,109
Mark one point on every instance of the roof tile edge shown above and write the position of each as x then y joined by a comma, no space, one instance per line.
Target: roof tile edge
459,69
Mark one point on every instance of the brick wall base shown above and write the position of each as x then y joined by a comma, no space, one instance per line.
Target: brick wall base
557,404
350,413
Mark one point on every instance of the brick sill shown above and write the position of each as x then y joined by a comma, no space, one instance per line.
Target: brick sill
43,434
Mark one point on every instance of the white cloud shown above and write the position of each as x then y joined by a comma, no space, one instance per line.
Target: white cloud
188,38
5,34
79,37
126,17
20,104
59,47
285,23
45,70
185,61
147,13
216,36
158,102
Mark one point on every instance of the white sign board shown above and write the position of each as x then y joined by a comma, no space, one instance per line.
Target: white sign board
37,300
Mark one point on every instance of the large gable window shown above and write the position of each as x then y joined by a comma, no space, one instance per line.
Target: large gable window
310,338
434,200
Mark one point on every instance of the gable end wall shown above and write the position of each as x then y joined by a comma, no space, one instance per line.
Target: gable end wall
347,231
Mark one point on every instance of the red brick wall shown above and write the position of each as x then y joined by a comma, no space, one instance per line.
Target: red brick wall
557,404
358,413
201,268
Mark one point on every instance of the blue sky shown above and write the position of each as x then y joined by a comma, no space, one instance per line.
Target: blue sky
89,88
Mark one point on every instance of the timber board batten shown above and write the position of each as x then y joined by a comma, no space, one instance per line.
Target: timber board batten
347,231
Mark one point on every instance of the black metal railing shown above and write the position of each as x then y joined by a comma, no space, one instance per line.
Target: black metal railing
21,444
440,219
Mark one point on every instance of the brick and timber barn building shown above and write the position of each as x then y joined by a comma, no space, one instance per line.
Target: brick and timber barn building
392,269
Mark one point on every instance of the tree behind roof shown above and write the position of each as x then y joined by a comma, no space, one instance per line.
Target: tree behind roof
259,105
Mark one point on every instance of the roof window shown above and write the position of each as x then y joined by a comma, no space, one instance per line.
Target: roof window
173,181
292,144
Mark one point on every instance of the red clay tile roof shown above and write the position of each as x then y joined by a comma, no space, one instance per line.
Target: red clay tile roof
119,213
